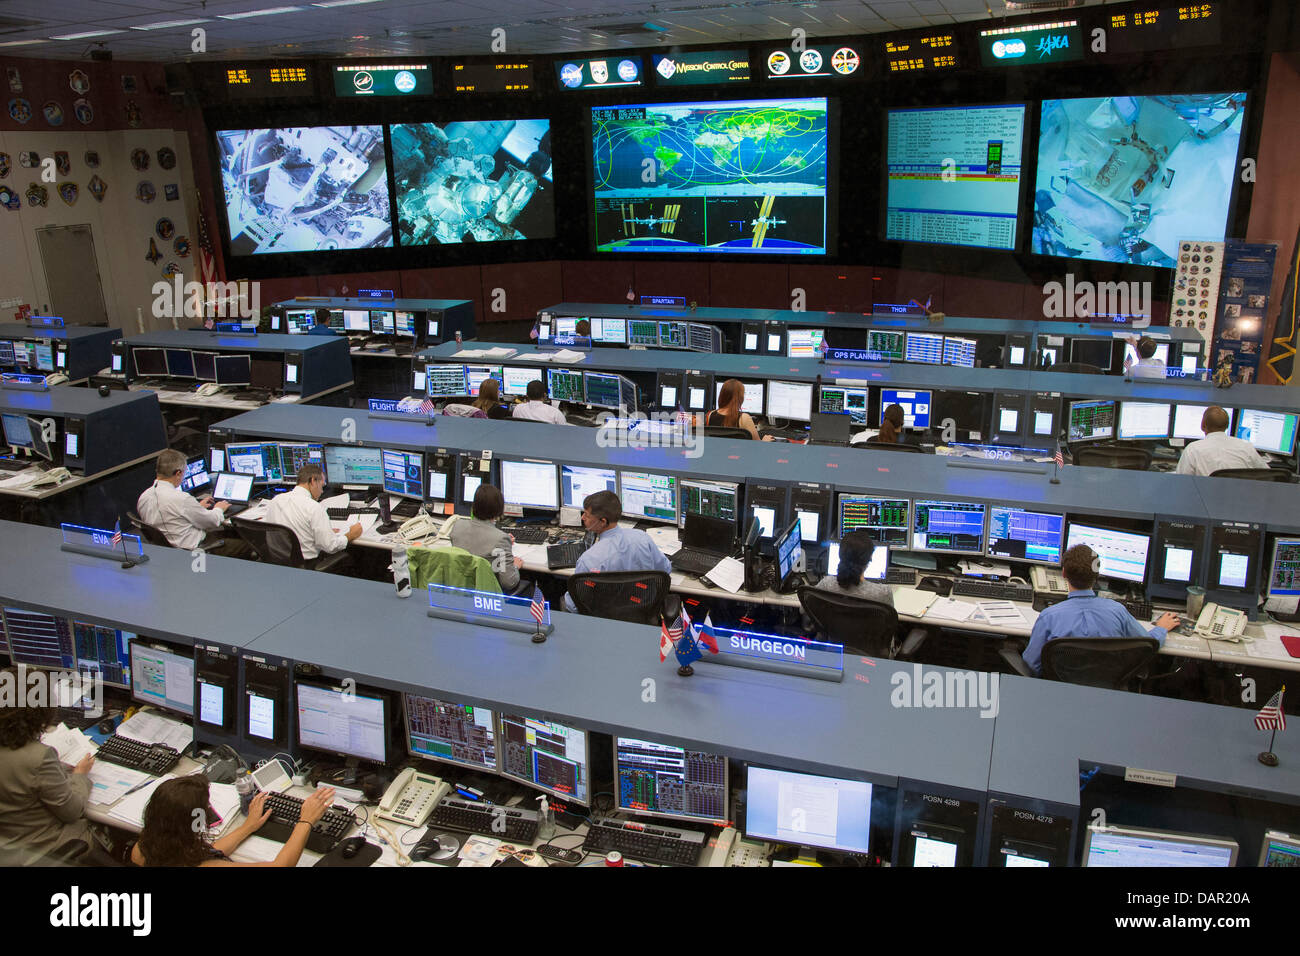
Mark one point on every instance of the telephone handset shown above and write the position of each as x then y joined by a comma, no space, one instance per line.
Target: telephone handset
1218,623
211,388
1047,582
421,526
412,797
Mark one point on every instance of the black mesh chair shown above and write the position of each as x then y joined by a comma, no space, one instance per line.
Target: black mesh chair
633,596
723,431
1078,368
1113,456
1254,474
147,531
874,445
864,627
276,544
1111,662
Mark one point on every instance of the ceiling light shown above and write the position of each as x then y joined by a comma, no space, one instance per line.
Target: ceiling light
342,3
256,13
165,24
87,35
21,42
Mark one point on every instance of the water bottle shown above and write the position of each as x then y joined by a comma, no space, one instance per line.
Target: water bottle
545,819
401,571
246,788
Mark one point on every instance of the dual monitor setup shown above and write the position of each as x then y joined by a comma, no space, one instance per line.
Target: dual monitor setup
650,333
597,389
1108,420
33,355
271,371
30,434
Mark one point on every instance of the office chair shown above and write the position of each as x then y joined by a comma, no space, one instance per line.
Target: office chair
1113,456
276,544
459,410
633,596
1078,368
453,567
867,628
1108,662
147,531
1254,474
724,431
874,445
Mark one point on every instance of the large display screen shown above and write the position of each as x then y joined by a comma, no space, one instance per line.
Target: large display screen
954,175
1123,178
473,182
305,189
743,176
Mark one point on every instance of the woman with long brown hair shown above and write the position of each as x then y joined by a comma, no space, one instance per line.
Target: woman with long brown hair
489,399
891,425
728,413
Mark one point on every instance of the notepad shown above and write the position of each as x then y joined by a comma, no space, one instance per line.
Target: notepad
910,603
950,609
71,745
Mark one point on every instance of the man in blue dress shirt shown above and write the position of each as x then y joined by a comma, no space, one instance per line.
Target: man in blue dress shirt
616,549
1083,614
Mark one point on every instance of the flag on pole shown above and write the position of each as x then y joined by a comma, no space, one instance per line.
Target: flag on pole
687,649
668,635
117,532
207,252
1270,716
426,407
538,608
704,634
1058,457
631,296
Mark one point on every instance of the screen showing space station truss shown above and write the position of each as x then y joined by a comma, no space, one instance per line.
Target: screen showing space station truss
305,189
473,182
1123,178
745,176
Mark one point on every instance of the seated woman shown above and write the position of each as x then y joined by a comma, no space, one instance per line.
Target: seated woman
41,803
856,549
891,425
728,413
481,536
489,400
169,837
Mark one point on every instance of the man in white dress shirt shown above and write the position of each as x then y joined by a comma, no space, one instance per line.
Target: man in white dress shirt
1217,450
1148,366
537,409
300,510
187,522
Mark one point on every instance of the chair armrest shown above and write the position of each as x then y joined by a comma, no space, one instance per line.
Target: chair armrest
912,643
1011,655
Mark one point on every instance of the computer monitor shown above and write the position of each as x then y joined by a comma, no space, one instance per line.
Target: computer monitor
791,401
246,459
17,433
404,324
446,381
149,361
566,325
442,472
162,676
888,345
876,569
381,322
36,434
959,351
229,486
804,343
476,375
514,380
925,347
1022,535
1131,847
1268,431
952,527
751,404
403,473
205,366
844,400
195,475
295,455
577,482
350,465
1143,421
1279,849
1091,421
1122,554
456,733
530,484
787,548
234,369
36,639
808,810
654,779
887,519
648,495
601,389
1009,415
609,331
102,651
712,499
1187,421
180,363
268,371
299,321
1234,557
356,320
916,406
551,757
1131,356
7,353
696,388
564,384
343,721
42,356
1091,352
670,390
1284,576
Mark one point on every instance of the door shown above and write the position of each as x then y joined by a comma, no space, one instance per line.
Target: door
72,274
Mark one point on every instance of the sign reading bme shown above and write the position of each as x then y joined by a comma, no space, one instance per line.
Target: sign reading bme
507,611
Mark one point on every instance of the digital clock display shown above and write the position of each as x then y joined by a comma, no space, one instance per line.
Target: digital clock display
492,77
1162,28
931,52
260,81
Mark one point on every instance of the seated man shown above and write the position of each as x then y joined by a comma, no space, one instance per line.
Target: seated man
300,510
536,408
616,549
480,535
186,521
1148,366
1083,614
1217,450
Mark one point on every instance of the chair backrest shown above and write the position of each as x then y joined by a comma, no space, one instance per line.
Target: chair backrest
463,411
1097,661
889,446
1113,456
867,627
454,567
724,431
635,596
1079,368
274,543
1253,474
148,531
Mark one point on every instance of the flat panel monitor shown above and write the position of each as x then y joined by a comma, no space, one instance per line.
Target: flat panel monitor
270,372
514,380
566,325
811,504
205,366
1131,356
1187,421
959,351
1091,421
42,356
103,651
1284,576
180,363
295,455
925,347
356,320
835,814
446,381
228,486
442,471
787,550
1279,849
954,175
546,755
761,193
804,343
916,406
36,433
234,369
844,400
577,482
246,459
476,375
403,473
163,677
751,404
791,401
457,733
1234,556
404,324
7,353
1096,352
1124,178
149,361
889,520
876,568
1143,421
887,344
530,484
1132,847
195,475
36,639
1268,431
350,465
17,433
601,389
1009,415
609,331
299,321
564,384
1177,563
381,322
1123,554
697,386
948,526
660,780
648,495
305,189
712,499
670,389
343,720
1022,535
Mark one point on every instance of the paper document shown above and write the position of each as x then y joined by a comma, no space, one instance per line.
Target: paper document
910,603
534,554
568,356
224,798
950,609
149,728
1001,614
71,745
728,574
366,521
336,501
665,539
977,570
109,782
130,809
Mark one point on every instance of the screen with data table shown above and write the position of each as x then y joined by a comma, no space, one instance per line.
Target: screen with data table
457,733
1025,535
657,779
886,519
545,755
948,526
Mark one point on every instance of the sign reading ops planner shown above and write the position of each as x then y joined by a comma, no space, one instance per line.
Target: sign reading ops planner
788,655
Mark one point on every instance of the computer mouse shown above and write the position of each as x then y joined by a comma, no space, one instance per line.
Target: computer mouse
106,726
426,848
352,846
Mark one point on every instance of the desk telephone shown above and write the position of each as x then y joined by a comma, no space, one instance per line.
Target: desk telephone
1047,582
211,388
54,476
1221,623
425,526
412,797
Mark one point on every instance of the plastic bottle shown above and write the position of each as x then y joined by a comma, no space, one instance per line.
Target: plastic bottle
246,788
545,819
401,571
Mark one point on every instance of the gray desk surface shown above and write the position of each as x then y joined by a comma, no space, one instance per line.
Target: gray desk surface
21,330
1046,729
205,340
66,400
317,302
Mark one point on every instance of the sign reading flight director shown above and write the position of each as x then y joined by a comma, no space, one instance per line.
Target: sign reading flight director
383,79
1031,44
694,69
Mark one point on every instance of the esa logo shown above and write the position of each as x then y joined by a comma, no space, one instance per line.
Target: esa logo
1003,49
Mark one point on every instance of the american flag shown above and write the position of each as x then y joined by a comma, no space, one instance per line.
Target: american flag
538,608
1058,457
117,532
1270,716
669,634
631,296
683,416
426,407
207,252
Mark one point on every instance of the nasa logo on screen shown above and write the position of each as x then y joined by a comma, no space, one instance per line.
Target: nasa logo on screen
666,68
778,63
571,75
363,81
404,81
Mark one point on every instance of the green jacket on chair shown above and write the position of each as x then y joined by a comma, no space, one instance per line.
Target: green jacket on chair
453,567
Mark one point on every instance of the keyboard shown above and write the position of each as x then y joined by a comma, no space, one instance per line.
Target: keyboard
1141,610
995,590
530,533
470,817
650,844
694,562
900,576
341,514
154,759
564,555
10,464
285,811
